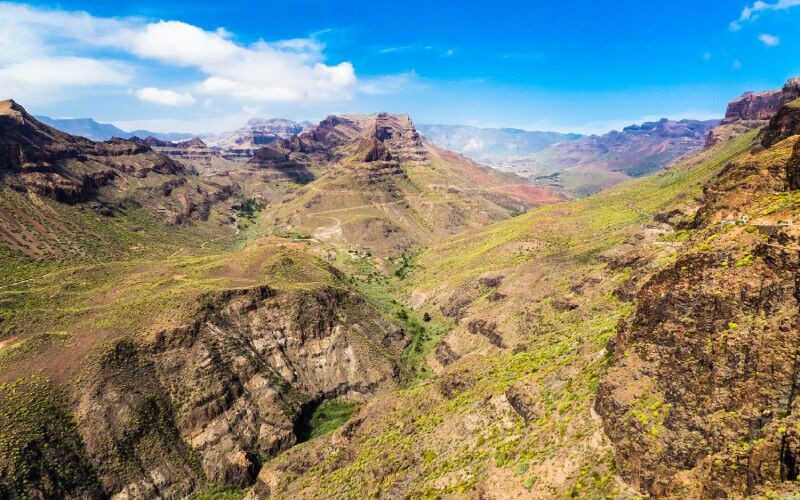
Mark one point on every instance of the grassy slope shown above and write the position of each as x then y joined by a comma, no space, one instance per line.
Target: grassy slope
39,235
431,201
457,433
51,322
445,441
577,229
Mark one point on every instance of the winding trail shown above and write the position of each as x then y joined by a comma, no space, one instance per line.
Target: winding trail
25,281
328,232
236,229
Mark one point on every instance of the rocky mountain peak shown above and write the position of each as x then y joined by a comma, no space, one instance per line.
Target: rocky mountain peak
195,142
9,107
398,137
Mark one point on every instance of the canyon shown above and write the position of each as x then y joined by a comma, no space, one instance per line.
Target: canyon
347,309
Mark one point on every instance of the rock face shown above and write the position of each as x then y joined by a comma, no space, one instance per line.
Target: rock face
784,124
700,400
790,91
39,159
208,402
398,134
753,106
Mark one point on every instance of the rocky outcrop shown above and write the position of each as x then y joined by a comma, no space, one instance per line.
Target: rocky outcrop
753,106
332,132
195,142
703,381
208,402
374,150
700,399
121,173
784,124
751,110
790,91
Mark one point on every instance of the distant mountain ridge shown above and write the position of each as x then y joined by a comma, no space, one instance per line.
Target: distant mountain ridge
258,132
587,165
96,131
491,144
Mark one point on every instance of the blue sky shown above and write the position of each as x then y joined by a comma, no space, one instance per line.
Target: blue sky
566,66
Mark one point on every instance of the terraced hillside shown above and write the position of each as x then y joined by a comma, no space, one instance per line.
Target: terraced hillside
387,190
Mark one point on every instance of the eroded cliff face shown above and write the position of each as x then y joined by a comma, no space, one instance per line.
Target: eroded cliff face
208,402
116,174
700,399
753,106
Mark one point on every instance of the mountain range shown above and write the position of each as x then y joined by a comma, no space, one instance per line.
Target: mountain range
592,163
492,145
87,127
349,310
573,164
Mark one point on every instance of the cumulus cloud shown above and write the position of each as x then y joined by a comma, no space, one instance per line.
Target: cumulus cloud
164,96
769,40
42,79
284,71
750,12
33,63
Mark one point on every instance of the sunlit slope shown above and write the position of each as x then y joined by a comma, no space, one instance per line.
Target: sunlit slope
387,191
510,413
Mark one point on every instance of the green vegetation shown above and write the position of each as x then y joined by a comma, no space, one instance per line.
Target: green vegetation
248,212
381,289
325,418
40,448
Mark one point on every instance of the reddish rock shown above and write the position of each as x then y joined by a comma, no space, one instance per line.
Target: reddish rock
753,106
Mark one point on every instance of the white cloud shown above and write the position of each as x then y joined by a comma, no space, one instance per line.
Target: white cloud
42,79
750,12
164,96
769,40
291,70
34,65
283,71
